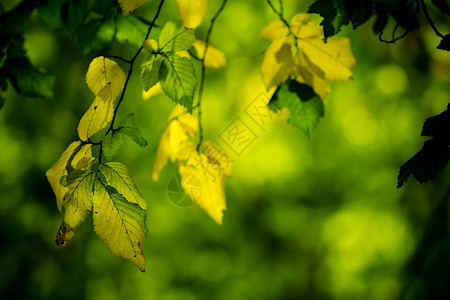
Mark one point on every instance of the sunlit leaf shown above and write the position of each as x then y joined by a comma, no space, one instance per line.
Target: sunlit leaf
129,5
150,71
173,38
275,30
214,58
129,128
98,116
153,91
102,72
130,29
112,144
178,79
120,224
304,105
210,170
192,12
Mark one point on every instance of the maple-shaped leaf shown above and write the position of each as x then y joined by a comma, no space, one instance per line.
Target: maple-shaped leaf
209,169
102,72
214,58
99,114
181,125
119,223
129,5
191,12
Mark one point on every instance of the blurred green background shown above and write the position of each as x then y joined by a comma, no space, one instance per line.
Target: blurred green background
319,219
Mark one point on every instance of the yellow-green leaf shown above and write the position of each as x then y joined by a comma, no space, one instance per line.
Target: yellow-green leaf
58,170
278,63
117,175
275,30
129,5
102,72
153,91
210,170
192,12
214,58
98,116
182,124
120,224
65,233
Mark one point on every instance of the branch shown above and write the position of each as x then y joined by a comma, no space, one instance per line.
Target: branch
130,71
278,13
427,16
202,80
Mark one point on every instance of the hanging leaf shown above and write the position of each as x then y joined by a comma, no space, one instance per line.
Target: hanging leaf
129,5
129,128
173,38
150,71
102,72
214,58
191,12
112,144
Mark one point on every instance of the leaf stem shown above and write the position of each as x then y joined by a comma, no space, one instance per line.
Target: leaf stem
427,16
130,71
202,80
279,13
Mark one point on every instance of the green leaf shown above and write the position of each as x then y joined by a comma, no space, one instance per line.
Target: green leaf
112,144
73,14
49,14
2,101
120,224
150,71
335,15
173,39
96,34
305,106
77,202
130,29
427,163
178,79
442,5
361,13
128,127
103,6
438,126
30,82
445,43
117,175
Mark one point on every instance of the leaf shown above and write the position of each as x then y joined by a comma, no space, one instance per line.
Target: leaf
102,72
173,39
381,22
275,30
117,175
214,58
150,71
98,116
210,170
95,34
130,29
438,126
120,224
73,14
442,5
65,233
181,126
112,144
334,13
427,163
278,63
304,105
178,79
128,127
129,5
445,43
77,202
191,12
58,170
153,91
30,82
361,12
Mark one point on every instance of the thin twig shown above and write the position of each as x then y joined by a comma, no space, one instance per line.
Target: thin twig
278,13
427,16
130,71
202,80
119,58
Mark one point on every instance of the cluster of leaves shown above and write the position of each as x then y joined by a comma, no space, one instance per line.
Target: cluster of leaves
301,65
435,153
338,13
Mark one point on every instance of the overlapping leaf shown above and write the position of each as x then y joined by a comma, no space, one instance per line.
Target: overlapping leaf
173,38
102,72
120,224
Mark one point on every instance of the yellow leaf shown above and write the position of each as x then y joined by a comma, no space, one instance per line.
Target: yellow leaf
129,5
297,22
120,224
192,12
278,63
83,157
117,175
181,125
98,116
58,170
214,58
102,72
275,30
312,76
210,170
153,91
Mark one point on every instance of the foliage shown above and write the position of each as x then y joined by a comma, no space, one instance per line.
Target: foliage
297,68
